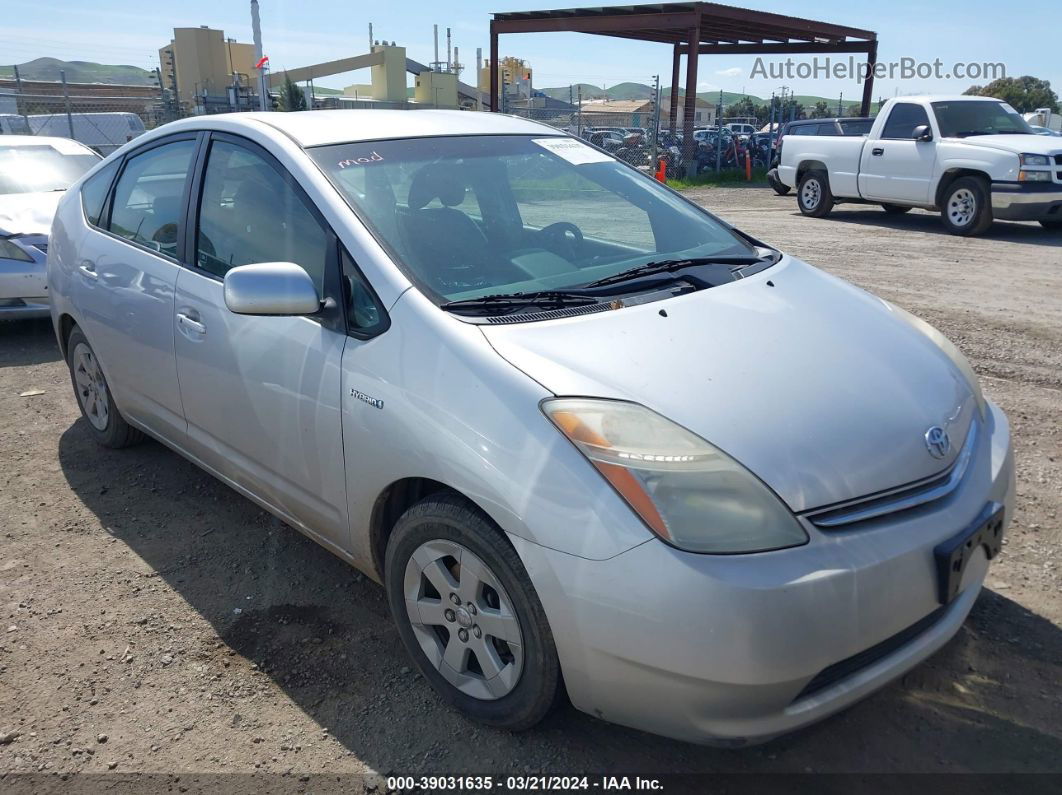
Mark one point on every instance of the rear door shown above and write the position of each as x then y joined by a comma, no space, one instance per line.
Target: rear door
125,280
262,394
895,167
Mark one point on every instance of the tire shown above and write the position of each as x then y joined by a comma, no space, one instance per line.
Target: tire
813,194
895,209
519,680
106,424
1052,223
966,210
776,184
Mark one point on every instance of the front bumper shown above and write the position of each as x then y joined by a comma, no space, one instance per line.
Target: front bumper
23,285
1034,201
722,649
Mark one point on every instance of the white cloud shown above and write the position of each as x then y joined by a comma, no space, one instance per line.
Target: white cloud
733,71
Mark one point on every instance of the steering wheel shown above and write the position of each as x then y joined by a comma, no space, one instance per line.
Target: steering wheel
563,238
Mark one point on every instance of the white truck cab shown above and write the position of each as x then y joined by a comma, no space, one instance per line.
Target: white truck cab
972,158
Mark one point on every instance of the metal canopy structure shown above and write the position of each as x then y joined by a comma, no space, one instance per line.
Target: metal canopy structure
707,28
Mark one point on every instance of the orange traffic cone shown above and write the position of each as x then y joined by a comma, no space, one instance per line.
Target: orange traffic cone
661,171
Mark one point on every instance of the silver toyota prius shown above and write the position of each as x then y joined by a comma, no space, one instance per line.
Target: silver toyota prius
595,442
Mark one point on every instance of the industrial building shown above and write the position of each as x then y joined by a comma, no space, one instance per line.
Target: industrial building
207,73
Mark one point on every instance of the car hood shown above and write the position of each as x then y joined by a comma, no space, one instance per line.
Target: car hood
28,213
1019,144
817,387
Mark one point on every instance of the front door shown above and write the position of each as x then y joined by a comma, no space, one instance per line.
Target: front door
895,167
261,395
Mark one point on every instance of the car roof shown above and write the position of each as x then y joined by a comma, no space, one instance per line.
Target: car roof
321,127
37,140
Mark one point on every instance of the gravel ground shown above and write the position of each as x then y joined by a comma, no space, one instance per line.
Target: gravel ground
156,622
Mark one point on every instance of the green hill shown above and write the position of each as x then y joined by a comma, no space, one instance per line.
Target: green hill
80,72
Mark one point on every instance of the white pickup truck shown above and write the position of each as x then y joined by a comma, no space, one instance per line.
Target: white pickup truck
972,158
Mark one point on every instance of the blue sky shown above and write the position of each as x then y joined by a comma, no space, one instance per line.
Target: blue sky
299,33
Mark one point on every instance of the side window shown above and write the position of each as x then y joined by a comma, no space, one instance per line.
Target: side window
803,129
365,316
147,198
94,192
903,119
249,213
827,128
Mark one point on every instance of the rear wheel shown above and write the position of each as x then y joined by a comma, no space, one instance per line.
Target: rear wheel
469,616
895,209
105,422
965,209
813,194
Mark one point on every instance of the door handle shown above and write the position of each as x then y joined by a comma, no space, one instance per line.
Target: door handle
88,269
190,323
877,151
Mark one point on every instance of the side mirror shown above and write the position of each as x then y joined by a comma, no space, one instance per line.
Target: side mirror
922,133
270,288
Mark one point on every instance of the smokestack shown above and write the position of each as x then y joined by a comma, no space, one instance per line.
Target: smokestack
256,31
479,69
435,35
448,61
457,63
370,37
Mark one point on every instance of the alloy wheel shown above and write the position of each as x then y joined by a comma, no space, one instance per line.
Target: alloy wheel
962,207
463,619
91,388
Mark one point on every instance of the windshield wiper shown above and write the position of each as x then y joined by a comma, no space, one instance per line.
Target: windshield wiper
668,265
509,301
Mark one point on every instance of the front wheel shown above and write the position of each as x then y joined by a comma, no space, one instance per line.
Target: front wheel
966,210
469,616
813,194
105,422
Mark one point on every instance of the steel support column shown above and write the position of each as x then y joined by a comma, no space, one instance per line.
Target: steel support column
868,84
493,68
673,115
689,104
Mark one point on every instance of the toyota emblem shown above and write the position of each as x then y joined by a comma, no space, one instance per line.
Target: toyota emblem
938,442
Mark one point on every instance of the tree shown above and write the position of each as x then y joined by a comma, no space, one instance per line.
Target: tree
291,96
821,111
744,107
1024,94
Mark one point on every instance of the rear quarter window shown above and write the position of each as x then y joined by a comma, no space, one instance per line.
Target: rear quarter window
94,193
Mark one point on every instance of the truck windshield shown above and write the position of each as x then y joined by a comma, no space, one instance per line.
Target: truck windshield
470,216
42,168
964,118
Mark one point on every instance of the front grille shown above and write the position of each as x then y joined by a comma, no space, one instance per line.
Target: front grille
857,662
904,498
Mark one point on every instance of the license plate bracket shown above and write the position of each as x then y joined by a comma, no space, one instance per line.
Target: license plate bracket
952,554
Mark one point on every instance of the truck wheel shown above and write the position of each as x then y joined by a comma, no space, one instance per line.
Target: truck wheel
966,210
813,194
779,187
895,209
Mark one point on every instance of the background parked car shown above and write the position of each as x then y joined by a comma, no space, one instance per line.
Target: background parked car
103,132
34,173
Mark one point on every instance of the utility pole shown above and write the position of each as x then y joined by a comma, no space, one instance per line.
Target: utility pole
66,100
479,71
18,92
579,114
654,131
719,133
256,30
840,104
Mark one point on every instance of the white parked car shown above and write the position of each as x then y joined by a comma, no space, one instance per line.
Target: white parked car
974,159
34,173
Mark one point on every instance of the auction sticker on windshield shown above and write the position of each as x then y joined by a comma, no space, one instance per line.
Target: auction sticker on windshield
575,152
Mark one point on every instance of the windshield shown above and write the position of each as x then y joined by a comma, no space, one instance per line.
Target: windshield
41,168
472,216
963,118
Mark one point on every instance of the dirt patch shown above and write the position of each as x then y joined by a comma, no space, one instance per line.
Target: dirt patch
146,603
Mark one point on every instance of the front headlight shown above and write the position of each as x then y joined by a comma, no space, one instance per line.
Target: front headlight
1035,160
948,347
691,494
9,250
1034,176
